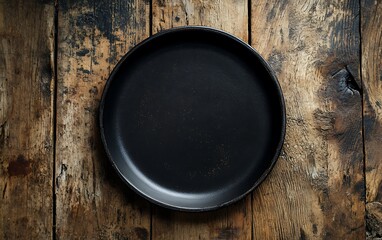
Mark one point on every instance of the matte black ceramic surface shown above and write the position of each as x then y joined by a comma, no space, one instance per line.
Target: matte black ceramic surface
192,118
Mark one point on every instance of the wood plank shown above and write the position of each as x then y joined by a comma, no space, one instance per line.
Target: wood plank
317,187
26,129
233,222
92,202
371,22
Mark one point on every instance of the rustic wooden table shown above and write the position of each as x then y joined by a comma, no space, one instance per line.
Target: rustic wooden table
55,58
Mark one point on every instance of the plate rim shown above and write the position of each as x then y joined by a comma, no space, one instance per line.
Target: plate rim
270,72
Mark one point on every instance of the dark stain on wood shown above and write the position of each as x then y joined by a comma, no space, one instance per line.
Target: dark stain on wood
90,110
23,221
349,25
320,183
378,197
121,217
277,8
161,3
292,34
370,123
359,187
141,233
3,138
378,103
45,1
85,71
103,17
342,90
93,90
82,52
346,180
228,233
19,167
276,59
271,14
302,234
37,114
324,201
45,81
117,236
314,227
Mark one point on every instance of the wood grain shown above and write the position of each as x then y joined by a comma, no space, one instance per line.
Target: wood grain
26,129
230,16
371,22
316,190
233,222
92,203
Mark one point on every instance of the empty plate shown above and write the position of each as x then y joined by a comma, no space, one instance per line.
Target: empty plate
192,118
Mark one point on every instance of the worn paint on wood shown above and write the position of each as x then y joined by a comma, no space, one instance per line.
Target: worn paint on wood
26,129
371,22
92,202
233,222
317,188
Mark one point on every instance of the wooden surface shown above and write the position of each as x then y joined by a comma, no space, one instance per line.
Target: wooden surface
26,119
55,181
91,202
371,22
317,187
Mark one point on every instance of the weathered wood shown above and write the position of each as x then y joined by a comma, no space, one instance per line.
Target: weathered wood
92,203
26,129
233,222
374,220
225,15
317,188
371,22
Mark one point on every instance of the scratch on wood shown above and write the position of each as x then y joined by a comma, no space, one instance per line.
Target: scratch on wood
62,175
2,134
5,189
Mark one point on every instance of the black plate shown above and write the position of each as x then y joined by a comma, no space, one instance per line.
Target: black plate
192,118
